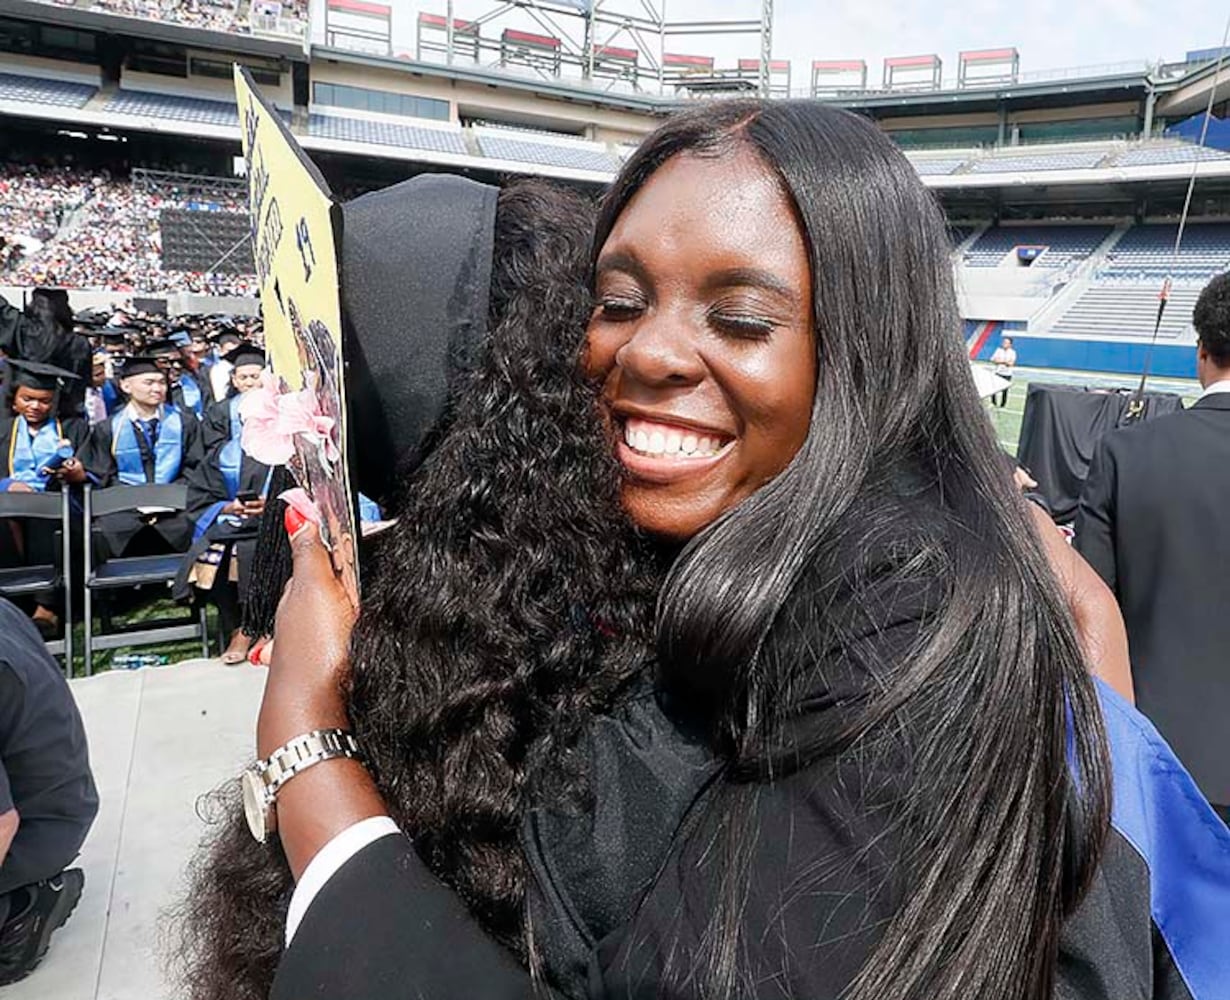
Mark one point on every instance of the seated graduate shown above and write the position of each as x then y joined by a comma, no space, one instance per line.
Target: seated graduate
226,496
146,442
244,364
220,371
185,393
38,452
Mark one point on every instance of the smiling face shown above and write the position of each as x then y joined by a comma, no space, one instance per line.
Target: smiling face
702,339
33,404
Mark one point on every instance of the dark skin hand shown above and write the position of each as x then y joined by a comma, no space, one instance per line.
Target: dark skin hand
304,692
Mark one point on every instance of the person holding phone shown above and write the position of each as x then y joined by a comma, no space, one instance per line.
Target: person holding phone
226,496
38,452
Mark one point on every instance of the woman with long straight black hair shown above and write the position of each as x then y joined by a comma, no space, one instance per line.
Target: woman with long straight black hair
844,764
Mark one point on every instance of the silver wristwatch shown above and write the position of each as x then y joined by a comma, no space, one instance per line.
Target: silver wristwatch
261,781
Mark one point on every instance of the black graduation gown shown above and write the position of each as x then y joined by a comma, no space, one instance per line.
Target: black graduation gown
216,425
207,487
118,530
1152,523
30,340
621,892
33,543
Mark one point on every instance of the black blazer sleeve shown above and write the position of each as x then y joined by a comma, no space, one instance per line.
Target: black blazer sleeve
1095,514
384,926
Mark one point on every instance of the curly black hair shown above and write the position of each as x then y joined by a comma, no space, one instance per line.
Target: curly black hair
1211,317
510,603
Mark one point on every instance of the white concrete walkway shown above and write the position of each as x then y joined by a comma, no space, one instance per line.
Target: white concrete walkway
159,738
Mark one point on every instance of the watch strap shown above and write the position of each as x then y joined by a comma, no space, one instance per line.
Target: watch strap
302,752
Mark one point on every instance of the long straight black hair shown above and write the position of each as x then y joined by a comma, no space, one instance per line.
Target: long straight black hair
1002,840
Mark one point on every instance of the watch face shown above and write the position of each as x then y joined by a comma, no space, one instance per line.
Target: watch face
254,804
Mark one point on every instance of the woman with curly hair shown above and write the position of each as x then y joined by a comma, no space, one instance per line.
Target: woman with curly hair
722,663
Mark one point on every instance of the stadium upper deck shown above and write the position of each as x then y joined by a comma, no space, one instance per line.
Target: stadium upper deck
398,82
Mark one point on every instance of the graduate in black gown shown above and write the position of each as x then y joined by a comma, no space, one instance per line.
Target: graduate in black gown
43,332
226,496
145,442
39,452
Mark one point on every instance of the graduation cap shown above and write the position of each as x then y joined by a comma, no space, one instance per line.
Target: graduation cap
138,365
245,354
416,274
227,336
180,338
162,348
38,375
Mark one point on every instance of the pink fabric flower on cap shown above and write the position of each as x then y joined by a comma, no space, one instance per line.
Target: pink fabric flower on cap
271,419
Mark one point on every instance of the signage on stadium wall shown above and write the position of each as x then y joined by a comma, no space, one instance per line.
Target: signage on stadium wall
295,228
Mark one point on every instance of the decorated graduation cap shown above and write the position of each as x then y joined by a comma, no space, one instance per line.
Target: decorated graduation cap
39,375
180,338
245,354
413,265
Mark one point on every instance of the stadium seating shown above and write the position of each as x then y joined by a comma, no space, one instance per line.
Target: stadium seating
182,109
1063,243
1147,251
522,149
59,93
1029,162
1160,155
384,133
959,234
937,167
1110,310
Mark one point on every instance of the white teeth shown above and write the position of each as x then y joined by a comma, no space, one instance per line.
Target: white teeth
665,440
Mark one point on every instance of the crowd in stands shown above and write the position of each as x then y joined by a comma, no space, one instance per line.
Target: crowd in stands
234,16
91,230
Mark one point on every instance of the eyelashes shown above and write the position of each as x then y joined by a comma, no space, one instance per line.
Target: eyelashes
738,325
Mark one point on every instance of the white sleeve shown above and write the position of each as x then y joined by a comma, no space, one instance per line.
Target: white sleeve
328,860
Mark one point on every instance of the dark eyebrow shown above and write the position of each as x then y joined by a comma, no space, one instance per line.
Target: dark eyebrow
621,260
753,277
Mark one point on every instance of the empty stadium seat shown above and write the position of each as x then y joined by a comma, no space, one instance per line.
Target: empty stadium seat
60,93
937,167
1110,310
1028,162
1063,243
183,109
1161,155
382,133
521,149
1147,251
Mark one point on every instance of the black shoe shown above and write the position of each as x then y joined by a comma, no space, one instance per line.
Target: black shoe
27,932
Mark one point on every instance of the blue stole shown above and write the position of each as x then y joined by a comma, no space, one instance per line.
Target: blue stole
27,456
230,462
192,394
111,396
168,452
230,455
